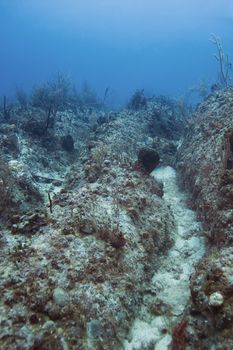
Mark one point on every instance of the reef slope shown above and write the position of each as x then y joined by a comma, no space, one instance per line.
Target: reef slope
82,227
206,170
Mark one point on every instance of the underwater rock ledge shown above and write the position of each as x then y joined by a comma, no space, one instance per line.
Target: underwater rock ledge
82,228
205,169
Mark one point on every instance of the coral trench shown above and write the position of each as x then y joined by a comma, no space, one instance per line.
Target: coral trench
169,291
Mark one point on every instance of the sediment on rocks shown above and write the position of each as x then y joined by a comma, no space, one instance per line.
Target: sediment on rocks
205,169
93,245
82,231
168,292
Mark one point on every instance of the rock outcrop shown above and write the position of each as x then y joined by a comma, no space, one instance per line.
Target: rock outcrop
83,228
205,167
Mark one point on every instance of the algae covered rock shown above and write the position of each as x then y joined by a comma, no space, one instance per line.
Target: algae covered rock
75,276
60,297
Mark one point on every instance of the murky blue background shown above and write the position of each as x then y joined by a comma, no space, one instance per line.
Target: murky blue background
160,45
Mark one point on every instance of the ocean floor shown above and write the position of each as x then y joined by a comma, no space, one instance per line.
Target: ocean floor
169,292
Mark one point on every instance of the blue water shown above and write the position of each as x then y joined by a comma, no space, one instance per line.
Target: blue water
159,45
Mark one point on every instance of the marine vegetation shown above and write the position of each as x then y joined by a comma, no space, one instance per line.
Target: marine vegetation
224,63
52,95
138,100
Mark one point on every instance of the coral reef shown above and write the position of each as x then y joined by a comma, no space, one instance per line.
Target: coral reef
205,167
96,252
83,227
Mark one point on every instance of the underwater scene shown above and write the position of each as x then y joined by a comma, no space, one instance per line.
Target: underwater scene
116,175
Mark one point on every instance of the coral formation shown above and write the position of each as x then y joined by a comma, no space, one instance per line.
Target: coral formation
82,227
98,254
205,169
